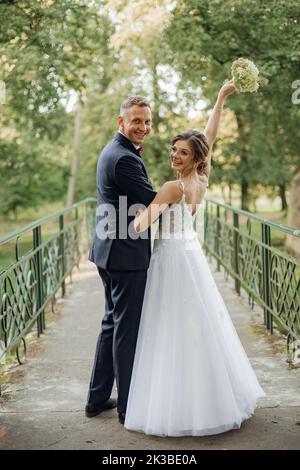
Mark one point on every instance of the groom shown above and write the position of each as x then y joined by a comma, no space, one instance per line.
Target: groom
122,262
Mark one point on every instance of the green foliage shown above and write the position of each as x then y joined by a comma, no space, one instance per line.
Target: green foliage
48,49
206,37
51,51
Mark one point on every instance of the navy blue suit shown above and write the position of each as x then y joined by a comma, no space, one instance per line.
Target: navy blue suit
122,264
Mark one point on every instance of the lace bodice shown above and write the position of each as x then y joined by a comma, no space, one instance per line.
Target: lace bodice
176,222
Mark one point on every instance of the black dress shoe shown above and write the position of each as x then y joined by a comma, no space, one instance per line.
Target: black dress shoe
94,410
122,418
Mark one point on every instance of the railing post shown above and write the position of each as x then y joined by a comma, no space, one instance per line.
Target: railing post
78,236
236,252
87,223
205,222
62,253
37,241
266,239
205,227
217,238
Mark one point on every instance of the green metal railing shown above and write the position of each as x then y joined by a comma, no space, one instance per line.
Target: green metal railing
34,264
242,243
46,251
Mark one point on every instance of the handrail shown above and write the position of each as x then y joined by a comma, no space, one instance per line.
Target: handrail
36,223
249,215
31,280
269,275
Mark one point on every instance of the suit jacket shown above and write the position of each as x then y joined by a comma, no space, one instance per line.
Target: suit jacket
121,172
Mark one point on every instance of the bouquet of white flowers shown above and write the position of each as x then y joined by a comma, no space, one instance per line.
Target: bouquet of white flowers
245,75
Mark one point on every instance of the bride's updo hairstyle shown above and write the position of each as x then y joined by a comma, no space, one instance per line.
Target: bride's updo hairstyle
199,146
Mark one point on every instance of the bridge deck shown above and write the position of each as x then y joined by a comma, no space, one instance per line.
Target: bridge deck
43,407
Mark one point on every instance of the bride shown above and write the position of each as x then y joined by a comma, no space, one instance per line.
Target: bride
191,375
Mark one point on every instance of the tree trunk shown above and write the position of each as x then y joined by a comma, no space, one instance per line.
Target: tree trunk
244,195
284,205
244,163
156,98
293,220
223,191
75,159
156,119
230,195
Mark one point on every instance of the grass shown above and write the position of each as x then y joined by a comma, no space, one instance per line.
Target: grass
277,237
25,244
10,224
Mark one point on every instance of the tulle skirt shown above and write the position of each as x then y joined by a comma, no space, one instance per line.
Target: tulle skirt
191,375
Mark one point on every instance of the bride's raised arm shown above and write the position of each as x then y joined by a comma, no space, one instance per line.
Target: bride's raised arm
213,122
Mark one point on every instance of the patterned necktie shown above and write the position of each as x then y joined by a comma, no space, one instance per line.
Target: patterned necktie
140,149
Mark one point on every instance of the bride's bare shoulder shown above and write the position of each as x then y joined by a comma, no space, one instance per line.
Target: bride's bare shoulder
173,188
172,184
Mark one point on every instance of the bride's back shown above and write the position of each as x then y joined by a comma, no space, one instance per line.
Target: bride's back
176,222
194,191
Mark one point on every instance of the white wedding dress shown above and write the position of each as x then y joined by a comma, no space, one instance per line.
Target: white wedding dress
191,375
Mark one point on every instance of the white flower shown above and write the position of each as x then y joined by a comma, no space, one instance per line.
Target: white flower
245,75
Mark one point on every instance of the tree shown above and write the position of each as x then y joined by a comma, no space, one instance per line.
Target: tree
48,50
207,36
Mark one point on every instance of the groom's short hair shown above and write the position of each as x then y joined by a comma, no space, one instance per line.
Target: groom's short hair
135,100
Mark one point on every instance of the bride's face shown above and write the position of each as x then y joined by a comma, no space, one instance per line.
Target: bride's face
181,156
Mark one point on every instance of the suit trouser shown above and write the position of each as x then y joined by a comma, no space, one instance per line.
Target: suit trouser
124,293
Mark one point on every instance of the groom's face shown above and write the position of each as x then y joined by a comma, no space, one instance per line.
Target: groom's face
136,124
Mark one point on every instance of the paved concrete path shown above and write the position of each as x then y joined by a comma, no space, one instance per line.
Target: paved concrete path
43,407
